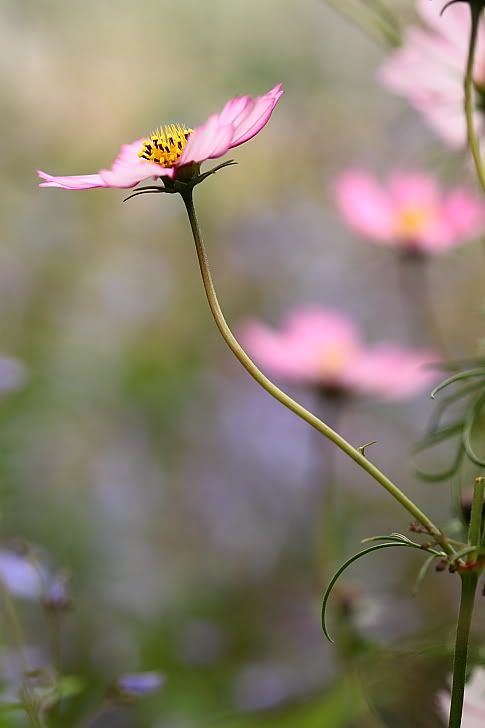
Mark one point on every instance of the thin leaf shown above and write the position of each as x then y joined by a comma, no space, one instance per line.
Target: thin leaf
394,537
433,438
459,376
345,566
443,474
443,405
464,552
422,573
468,430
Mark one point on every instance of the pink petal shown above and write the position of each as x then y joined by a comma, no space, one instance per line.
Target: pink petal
315,329
428,68
394,373
454,23
234,108
465,213
240,119
365,205
276,354
77,182
127,170
304,350
256,116
209,141
413,190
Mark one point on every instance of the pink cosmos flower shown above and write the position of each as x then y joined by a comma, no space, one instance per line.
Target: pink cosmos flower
474,704
429,67
173,147
323,348
409,211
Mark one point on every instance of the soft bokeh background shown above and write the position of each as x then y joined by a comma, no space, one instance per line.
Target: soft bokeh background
136,454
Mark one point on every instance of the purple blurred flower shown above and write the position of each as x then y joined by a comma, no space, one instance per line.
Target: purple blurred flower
20,576
140,684
259,686
13,373
57,597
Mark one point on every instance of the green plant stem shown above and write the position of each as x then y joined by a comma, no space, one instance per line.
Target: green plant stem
475,529
290,403
469,582
473,141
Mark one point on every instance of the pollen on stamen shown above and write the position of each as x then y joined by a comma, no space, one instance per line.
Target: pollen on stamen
165,145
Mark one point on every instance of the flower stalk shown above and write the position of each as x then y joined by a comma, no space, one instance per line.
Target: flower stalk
354,453
469,580
473,141
475,528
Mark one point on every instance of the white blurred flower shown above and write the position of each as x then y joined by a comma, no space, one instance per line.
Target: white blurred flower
474,705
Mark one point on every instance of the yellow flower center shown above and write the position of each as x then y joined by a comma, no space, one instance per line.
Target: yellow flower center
412,221
165,145
333,358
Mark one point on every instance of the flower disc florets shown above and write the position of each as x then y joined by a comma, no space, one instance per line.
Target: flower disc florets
165,145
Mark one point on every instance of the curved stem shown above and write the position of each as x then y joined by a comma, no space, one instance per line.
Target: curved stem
469,582
473,141
290,403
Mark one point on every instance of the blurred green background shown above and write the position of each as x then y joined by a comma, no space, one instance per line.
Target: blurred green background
137,455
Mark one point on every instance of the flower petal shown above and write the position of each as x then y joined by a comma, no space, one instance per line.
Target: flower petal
75,182
427,69
127,170
392,372
365,205
209,141
255,116
464,212
240,120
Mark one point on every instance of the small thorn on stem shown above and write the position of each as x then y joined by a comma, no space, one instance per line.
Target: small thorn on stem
363,448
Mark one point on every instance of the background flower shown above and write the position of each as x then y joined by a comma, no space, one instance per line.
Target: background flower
428,69
409,211
324,348
474,704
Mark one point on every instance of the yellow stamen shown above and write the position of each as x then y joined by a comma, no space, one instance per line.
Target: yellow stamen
165,145
412,221
333,359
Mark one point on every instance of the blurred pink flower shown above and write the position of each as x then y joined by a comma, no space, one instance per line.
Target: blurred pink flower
429,67
474,704
409,211
323,348
172,147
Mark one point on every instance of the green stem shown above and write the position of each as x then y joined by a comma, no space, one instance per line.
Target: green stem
469,582
475,528
473,141
290,403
